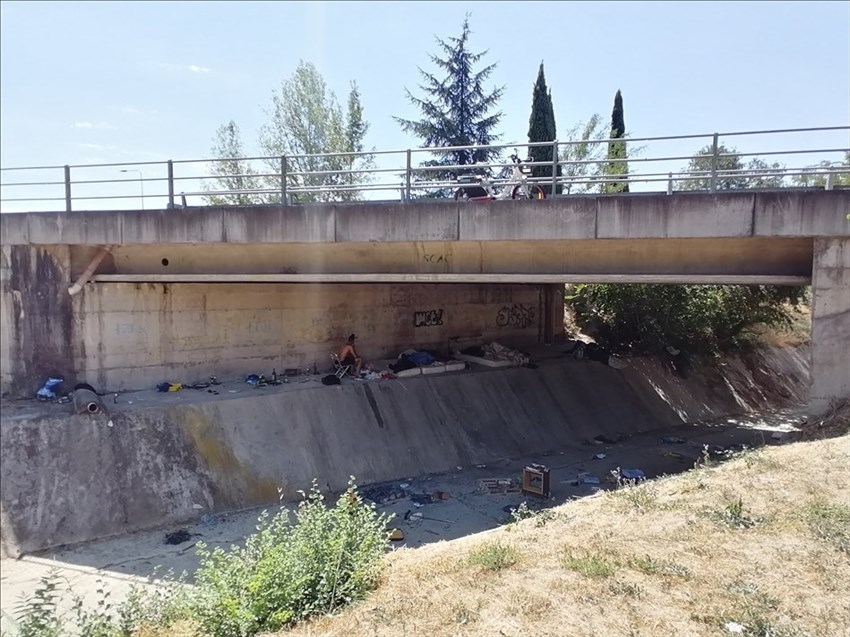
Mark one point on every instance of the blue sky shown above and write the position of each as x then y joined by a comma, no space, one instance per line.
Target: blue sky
125,81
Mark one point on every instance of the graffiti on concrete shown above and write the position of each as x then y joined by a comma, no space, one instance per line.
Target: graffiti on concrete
129,328
428,318
516,315
435,258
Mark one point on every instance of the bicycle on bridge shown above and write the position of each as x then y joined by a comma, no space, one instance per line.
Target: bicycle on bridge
512,183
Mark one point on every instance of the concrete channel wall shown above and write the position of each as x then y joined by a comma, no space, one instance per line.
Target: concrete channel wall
69,479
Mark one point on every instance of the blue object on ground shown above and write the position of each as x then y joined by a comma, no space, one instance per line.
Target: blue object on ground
421,358
633,474
253,379
46,390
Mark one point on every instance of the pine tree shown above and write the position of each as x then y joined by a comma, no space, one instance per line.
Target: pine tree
457,110
541,128
617,150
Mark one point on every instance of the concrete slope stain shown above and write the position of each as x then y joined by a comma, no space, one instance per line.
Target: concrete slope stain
239,484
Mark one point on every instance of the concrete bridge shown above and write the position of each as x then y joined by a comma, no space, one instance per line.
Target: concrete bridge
192,292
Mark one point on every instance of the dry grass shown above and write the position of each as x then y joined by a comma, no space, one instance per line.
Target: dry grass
794,335
681,558
836,422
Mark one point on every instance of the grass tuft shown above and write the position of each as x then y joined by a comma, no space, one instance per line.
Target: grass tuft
589,564
494,556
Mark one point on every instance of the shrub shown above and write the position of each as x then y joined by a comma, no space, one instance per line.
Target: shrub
288,572
696,318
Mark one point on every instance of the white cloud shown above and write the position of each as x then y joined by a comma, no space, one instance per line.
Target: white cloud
193,68
130,110
96,147
100,125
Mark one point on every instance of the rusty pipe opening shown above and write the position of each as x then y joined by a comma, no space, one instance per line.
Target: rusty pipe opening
87,402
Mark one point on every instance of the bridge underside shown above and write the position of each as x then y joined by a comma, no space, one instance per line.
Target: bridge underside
750,260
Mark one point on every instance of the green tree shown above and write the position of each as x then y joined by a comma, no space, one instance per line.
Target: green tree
814,176
542,128
305,118
617,166
732,173
456,110
589,136
694,318
233,173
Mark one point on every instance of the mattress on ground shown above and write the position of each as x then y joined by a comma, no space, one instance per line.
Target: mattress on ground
414,371
440,368
487,362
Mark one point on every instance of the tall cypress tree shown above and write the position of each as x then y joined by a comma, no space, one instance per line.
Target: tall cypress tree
617,149
457,110
541,128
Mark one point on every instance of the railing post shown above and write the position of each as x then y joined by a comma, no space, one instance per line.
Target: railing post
283,201
554,167
830,181
712,184
669,183
407,177
67,188
170,184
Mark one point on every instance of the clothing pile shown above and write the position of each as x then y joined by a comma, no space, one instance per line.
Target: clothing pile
497,351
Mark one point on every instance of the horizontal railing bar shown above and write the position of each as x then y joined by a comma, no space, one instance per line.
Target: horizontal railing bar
33,183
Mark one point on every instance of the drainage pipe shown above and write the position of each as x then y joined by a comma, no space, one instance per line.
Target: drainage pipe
90,268
87,402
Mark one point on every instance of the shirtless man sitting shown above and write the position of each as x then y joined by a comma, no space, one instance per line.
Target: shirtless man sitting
348,355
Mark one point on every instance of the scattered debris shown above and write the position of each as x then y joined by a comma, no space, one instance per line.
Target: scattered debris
382,493
588,478
421,498
734,627
672,440
481,466
441,495
178,537
459,468
604,440
418,516
396,535
209,520
197,507
499,485
633,474
403,485
600,456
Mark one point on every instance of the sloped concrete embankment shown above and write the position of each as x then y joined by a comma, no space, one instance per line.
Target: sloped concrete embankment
73,479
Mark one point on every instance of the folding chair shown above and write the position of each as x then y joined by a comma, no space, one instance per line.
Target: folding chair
340,370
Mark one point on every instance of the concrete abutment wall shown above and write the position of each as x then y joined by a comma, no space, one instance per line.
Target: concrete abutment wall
830,323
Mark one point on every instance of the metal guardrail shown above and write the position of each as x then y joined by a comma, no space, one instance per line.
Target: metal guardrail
334,177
